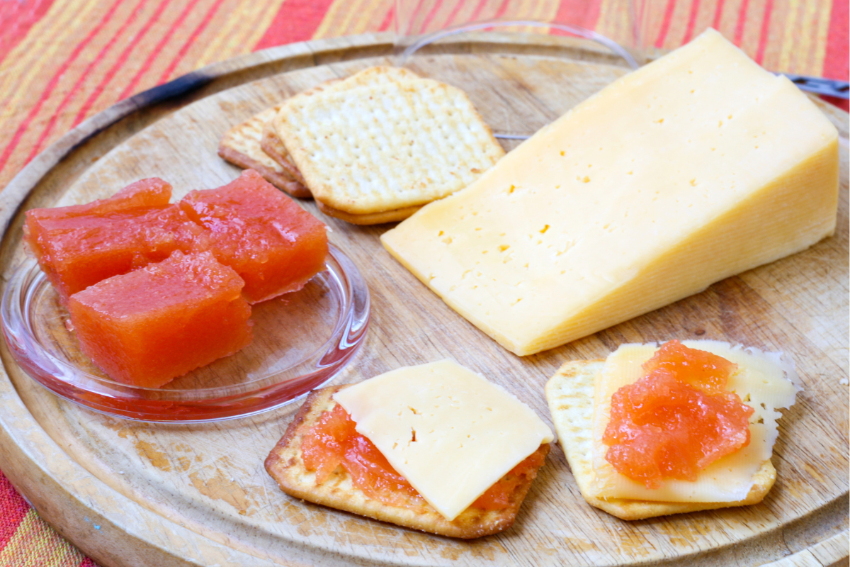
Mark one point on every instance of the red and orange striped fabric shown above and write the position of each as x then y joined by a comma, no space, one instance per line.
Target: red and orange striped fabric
26,541
62,61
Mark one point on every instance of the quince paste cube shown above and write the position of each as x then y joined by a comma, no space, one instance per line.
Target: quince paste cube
159,322
271,242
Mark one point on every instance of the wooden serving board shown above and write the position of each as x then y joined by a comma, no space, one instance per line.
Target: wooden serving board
139,494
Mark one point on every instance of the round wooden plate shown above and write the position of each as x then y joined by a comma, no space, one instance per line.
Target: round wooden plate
139,494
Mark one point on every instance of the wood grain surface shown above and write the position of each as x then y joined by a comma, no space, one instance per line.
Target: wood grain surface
137,494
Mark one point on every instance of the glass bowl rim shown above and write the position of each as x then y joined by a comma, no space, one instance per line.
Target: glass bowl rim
27,280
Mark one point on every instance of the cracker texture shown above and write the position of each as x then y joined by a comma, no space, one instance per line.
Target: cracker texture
366,147
242,146
272,147
285,465
570,396
380,75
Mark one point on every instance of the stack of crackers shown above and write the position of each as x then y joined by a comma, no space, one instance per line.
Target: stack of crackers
371,148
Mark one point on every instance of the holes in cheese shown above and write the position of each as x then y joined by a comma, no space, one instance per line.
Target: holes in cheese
763,381
664,211
468,431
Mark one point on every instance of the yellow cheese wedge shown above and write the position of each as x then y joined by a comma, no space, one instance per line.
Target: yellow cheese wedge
696,167
451,433
764,381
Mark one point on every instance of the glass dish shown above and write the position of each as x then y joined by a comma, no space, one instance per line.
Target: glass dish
581,32
418,37
302,340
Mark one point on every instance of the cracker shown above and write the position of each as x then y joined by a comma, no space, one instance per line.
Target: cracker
284,464
374,218
241,146
380,75
385,146
570,397
274,147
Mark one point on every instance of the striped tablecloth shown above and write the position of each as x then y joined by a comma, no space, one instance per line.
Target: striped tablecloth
62,61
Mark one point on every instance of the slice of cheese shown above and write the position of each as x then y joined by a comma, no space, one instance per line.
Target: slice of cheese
448,431
764,381
696,167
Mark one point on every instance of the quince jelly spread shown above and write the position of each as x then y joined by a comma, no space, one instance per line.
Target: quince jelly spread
335,442
677,419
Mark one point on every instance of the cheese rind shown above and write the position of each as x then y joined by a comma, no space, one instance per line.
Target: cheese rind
764,381
694,168
451,433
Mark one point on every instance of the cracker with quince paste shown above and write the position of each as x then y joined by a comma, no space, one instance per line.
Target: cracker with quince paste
570,396
286,466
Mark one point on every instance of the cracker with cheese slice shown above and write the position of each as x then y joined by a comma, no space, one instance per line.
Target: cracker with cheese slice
374,151
241,146
286,466
570,394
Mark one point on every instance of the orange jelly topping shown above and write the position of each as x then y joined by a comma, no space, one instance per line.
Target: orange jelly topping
677,419
334,442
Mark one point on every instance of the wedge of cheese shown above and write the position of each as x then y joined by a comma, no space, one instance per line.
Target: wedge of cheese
764,381
696,167
451,433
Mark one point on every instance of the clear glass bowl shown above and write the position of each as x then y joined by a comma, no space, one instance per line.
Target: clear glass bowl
408,46
302,340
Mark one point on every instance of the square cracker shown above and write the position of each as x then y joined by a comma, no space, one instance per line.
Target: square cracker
570,396
373,218
241,146
274,147
380,75
286,466
386,146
